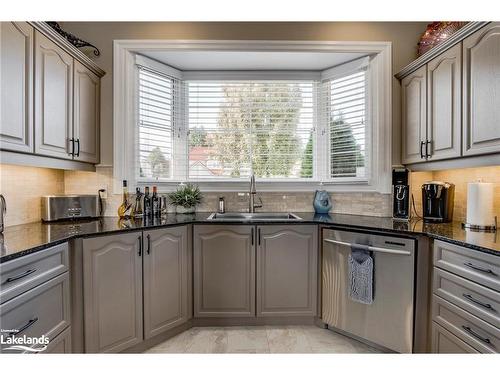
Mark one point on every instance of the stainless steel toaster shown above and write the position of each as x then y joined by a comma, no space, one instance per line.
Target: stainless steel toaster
59,207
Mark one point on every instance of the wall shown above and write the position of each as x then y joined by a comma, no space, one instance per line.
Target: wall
459,177
22,188
403,35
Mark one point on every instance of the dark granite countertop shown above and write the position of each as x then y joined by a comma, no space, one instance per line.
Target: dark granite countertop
23,239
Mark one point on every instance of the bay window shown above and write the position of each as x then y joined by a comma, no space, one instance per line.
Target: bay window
294,130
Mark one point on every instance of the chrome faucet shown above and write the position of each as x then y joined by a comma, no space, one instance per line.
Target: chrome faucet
251,202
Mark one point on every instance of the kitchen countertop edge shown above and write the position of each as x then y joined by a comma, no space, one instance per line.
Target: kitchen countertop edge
333,221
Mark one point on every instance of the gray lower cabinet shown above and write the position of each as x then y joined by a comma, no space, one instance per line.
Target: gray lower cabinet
112,292
224,271
166,273
287,262
43,310
61,344
445,342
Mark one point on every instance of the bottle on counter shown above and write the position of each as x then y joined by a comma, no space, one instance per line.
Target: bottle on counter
125,206
137,210
155,203
147,203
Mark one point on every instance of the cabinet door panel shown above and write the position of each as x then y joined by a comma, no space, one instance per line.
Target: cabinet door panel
444,121
414,112
287,270
16,82
224,271
86,114
481,91
165,280
53,99
112,283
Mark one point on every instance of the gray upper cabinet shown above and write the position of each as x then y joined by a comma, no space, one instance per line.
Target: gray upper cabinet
166,273
287,262
16,86
444,118
86,114
224,271
481,94
414,116
112,292
53,99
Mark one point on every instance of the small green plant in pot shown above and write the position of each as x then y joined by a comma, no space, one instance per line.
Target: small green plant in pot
185,198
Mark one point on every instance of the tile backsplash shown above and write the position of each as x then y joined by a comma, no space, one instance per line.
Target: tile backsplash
373,204
459,177
22,188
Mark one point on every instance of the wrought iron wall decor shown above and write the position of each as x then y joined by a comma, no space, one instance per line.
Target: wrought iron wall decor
77,42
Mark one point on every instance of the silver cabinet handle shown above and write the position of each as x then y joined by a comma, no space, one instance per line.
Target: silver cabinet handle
20,276
24,327
476,335
472,299
149,244
480,269
371,248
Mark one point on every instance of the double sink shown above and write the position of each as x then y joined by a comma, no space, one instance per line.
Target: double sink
255,216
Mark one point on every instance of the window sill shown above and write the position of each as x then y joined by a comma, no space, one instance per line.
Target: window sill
266,186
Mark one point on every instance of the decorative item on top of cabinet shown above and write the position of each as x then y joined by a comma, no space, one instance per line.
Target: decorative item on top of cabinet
16,61
74,40
287,265
444,118
481,91
224,271
86,114
53,99
414,120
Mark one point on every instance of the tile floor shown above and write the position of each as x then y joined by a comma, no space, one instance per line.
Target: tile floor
266,339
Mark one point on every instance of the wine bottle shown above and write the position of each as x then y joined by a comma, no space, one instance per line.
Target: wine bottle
137,209
155,203
124,208
147,203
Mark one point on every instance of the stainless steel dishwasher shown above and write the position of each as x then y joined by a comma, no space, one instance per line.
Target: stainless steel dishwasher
388,321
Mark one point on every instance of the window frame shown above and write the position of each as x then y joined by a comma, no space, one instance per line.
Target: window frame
125,112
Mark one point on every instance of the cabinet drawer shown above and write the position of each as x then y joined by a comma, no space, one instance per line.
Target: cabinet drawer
60,344
473,265
445,342
22,274
482,336
474,298
43,310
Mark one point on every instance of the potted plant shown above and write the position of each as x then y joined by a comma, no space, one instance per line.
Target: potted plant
185,198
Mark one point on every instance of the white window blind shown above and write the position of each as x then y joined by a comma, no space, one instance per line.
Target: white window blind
239,127
347,125
156,125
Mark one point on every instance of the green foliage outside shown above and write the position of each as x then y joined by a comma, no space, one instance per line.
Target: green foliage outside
158,163
273,138
346,154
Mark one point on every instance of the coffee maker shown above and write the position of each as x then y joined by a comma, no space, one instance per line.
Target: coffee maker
437,201
400,194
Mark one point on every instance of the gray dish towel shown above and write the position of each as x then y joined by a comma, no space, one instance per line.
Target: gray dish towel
360,274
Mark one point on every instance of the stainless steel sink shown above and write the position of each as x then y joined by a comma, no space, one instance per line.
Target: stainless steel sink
257,216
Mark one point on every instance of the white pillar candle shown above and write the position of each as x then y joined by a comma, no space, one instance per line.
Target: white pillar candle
480,203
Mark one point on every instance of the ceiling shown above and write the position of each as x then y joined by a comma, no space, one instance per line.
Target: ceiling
241,60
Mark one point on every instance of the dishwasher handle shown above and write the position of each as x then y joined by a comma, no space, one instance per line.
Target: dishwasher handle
371,248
